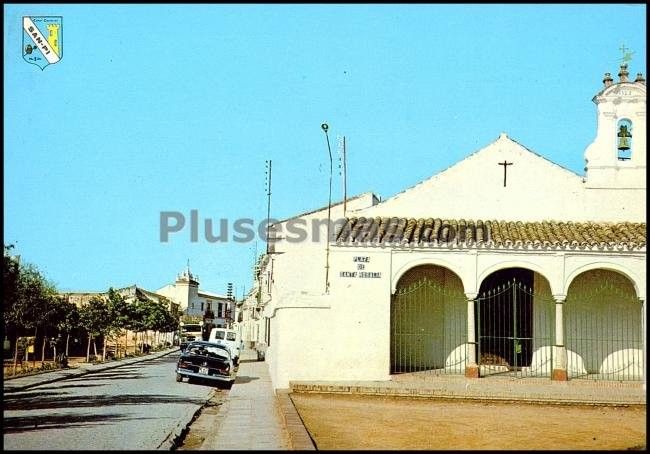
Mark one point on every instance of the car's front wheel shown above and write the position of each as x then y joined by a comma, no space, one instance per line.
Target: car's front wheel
179,378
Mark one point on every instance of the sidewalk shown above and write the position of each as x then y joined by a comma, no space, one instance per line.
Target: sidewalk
252,416
29,381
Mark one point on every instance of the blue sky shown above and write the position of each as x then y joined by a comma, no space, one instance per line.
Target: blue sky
176,107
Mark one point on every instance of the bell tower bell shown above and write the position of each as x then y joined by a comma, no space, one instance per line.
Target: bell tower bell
617,156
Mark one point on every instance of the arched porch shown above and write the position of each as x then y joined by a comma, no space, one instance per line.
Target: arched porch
603,327
428,322
514,323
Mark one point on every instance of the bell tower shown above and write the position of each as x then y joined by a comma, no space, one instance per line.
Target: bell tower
617,156
187,287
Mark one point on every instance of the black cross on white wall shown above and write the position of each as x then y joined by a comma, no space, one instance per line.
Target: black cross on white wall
505,165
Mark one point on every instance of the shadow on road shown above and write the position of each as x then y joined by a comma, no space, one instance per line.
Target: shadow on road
248,361
62,400
44,422
75,386
114,376
241,379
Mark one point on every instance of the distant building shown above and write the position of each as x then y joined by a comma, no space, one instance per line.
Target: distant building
194,301
128,293
249,319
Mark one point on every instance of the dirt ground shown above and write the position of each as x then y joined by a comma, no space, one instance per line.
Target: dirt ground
375,422
28,366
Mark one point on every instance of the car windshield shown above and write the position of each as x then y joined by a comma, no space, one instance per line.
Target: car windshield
231,336
219,334
207,350
190,328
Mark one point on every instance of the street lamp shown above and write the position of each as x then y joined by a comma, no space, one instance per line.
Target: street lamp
329,207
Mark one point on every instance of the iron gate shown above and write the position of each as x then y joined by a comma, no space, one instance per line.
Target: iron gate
428,331
604,331
515,331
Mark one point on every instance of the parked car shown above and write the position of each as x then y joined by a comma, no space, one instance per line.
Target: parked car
206,361
190,332
231,339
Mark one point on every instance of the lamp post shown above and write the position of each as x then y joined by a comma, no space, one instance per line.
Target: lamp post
329,207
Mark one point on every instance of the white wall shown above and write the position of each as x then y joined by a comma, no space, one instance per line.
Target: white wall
536,190
346,335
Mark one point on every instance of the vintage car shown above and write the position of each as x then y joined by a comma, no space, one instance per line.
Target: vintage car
190,332
206,361
231,339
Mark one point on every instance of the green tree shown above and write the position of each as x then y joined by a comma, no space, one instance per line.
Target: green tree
120,315
11,313
69,321
33,301
157,319
172,319
53,316
10,276
137,319
29,300
94,317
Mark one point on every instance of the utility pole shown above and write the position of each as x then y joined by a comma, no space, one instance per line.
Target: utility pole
229,310
325,127
268,205
345,180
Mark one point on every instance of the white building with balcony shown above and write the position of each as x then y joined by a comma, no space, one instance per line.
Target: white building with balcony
194,301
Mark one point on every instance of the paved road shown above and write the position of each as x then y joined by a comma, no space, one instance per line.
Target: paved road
135,406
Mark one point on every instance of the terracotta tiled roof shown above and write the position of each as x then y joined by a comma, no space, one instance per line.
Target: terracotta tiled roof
383,230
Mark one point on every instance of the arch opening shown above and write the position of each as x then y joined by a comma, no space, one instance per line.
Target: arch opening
428,322
515,323
603,327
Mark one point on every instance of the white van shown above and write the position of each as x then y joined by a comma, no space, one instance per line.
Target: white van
230,338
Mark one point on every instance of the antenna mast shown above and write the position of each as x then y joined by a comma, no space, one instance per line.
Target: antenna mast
345,180
325,127
268,205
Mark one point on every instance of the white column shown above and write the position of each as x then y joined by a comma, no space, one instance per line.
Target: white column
471,333
559,323
471,368
643,326
559,371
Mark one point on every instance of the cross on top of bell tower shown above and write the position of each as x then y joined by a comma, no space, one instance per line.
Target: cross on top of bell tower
617,156
627,56
186,275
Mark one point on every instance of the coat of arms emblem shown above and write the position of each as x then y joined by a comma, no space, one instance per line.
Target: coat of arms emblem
42,40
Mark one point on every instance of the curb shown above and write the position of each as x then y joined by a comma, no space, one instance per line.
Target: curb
441,394
82,371
299,437
179,432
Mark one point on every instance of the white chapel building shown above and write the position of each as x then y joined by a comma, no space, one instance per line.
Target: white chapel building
504,263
